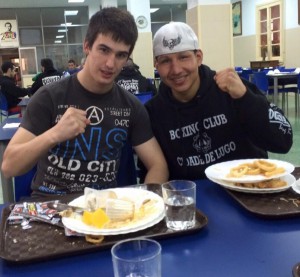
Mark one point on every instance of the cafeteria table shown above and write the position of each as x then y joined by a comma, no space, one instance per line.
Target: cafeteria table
234,242
276,77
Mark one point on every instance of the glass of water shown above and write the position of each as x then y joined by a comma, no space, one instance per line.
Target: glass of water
180,204
139,257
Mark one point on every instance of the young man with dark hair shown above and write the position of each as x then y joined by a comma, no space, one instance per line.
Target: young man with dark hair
75,129
8,85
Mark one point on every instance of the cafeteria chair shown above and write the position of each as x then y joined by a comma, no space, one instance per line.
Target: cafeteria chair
5,111
247,74
144,96
260,79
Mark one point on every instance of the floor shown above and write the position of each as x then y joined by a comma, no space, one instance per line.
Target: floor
294,154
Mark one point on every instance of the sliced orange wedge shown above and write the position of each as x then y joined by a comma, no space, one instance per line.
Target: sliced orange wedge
97,218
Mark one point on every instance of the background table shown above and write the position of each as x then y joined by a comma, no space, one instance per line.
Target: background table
282,75
234,243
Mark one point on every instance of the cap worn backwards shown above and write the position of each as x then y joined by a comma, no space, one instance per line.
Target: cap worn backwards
174,37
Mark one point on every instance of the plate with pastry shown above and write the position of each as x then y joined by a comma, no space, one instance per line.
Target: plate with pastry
249,170
114,211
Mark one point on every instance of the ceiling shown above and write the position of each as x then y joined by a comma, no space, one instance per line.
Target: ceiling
60,3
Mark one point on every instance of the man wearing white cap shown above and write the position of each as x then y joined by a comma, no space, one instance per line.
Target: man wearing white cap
201,117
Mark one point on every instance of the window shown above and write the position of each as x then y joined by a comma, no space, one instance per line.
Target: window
269,32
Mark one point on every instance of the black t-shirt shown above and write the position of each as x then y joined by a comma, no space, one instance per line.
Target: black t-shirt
92,158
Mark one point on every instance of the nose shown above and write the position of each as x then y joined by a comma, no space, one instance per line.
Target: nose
110,62
175,67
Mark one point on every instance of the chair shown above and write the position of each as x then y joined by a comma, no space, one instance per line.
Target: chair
127,174
246,74
22,185
260,79
144,96
5,111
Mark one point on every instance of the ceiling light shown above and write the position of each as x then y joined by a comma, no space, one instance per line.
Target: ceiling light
62,30
57,41
68,13
154,10
66,24
59,36
75,1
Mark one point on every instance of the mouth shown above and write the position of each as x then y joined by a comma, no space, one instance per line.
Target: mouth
107,74
179,80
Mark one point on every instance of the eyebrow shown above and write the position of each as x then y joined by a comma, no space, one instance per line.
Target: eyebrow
118,52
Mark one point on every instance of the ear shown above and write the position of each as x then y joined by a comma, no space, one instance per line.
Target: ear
199,56
86,48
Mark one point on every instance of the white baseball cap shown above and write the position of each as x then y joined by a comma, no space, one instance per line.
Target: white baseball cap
174,37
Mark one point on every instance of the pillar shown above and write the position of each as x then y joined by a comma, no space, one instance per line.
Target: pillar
212,22
142,54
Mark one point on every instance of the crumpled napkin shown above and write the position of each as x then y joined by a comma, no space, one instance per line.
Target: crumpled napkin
11,125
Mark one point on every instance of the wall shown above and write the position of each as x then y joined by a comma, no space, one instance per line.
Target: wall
212,24
247,42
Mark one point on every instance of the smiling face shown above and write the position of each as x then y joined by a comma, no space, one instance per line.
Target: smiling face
179,71
105,59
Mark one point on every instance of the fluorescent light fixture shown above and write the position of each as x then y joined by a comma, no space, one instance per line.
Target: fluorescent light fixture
62,30
154,10
57,41
75,1
59,36
68,13
66,24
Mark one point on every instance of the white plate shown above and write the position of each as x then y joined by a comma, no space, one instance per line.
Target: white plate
133,194
221,170
290,179
296,186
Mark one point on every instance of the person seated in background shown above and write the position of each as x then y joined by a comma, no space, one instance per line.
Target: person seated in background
131,79
75,129
72,67
49,75
202,117
9,88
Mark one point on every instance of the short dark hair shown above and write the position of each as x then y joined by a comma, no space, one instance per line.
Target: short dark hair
71,61
6,66
113,21
47,63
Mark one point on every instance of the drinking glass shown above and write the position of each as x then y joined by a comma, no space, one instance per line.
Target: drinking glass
138,257
180,204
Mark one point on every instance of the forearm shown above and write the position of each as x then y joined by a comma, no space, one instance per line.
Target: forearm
157,175
20,157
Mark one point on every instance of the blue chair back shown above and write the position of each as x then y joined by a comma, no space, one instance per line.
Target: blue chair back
246,74
3,104
144,96
5,111
260,79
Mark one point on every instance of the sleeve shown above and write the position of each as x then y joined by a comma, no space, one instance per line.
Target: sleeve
141,130
36,85
15,90
39,113
264,123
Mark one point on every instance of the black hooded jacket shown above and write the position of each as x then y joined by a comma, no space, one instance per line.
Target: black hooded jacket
49,76
213,127
131,79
